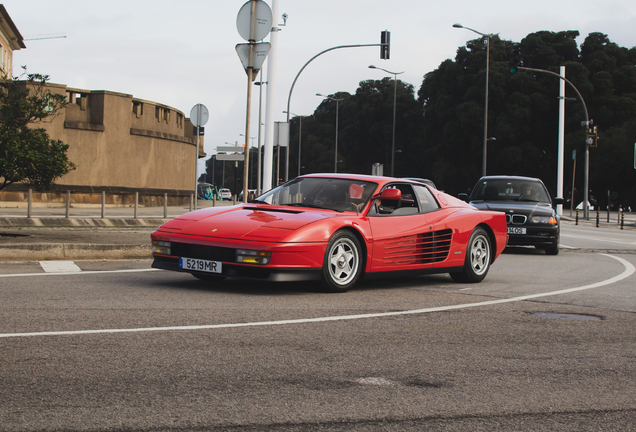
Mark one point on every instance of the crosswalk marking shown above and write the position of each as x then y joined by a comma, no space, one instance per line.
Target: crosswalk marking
59,266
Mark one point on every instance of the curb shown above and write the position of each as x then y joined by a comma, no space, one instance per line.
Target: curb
68,251
64,222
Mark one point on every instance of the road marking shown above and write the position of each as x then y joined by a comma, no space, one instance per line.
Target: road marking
599,239
76,273
629,270
59,267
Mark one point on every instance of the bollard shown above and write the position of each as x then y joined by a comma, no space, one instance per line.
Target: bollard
103,203
214,200
136,204
29,199
622,219
598,216
68,203
577,217
165,205
190,202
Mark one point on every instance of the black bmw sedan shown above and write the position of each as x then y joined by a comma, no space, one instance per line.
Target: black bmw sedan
530,214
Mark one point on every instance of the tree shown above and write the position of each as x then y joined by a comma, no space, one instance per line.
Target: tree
27,154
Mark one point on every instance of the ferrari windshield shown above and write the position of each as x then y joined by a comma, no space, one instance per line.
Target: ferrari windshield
326,193
508,189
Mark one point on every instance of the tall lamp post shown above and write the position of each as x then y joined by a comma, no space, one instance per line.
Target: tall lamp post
252,138
300,131
335,159
260,162
395,74
487,36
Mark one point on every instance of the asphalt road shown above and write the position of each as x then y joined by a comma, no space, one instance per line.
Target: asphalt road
543,343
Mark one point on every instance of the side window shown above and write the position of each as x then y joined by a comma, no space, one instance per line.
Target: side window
426,200
406,205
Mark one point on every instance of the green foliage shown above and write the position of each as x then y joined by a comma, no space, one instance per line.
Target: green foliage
27,154
440,131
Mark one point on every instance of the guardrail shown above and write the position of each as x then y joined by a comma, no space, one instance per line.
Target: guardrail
69,209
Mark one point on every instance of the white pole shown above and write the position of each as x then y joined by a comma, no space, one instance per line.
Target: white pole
559,190
269,107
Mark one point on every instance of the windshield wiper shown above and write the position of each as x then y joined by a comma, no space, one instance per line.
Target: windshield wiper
255,201
311,206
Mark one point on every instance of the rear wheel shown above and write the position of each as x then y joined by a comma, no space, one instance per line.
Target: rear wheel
342,264
477,260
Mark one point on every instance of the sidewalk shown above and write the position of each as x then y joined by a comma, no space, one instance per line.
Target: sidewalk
49,235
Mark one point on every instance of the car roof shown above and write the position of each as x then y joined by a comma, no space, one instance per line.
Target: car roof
510,177
381,180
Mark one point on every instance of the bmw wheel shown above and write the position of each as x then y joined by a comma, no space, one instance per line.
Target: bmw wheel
477,260
342,264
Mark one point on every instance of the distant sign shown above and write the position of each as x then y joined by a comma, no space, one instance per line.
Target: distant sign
230,157
230,149
262,21
199,115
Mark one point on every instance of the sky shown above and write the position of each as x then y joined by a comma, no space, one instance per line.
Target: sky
183,53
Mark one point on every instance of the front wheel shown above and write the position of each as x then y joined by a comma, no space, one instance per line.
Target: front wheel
477,260
342,264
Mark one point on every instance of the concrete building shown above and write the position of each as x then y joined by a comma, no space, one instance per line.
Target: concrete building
10,40
120,145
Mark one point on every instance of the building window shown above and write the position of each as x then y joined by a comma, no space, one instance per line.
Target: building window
138,108
180,121
159,113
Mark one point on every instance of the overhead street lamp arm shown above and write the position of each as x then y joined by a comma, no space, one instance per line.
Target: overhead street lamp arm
587,118
458,25
312,59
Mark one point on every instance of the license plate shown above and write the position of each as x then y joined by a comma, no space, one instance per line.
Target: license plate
515,230
200,265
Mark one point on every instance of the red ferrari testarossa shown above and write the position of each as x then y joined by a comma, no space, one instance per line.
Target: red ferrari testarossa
336,229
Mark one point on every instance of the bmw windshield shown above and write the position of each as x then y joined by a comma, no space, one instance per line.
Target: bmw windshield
510,190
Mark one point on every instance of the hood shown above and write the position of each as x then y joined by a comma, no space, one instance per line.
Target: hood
244,222
524,207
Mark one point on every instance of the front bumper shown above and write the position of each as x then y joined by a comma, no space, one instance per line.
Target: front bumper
535,236
243,272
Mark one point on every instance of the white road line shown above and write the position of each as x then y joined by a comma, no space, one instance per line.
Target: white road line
599,239
59,267
78,273
629,270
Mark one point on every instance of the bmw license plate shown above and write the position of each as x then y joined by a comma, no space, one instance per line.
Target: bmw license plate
200,265
515,230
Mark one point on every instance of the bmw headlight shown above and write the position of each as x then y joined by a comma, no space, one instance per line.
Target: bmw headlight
253,257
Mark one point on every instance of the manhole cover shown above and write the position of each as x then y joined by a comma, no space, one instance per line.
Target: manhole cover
567,316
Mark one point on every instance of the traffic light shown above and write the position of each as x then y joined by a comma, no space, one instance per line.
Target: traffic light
385,47
513,61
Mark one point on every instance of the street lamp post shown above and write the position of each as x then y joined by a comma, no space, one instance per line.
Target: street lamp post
335,159
300,131
260,162
487,36
395,74
252,138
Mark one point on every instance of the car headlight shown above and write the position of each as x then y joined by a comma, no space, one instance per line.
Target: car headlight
550,220
161,247
253,257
